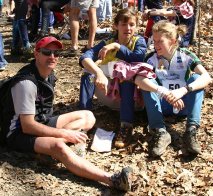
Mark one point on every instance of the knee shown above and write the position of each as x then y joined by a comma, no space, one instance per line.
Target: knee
74,13
88,119
59,148
86,78
193,78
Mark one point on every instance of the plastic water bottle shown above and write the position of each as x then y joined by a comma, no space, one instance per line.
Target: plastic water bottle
80,149
175,110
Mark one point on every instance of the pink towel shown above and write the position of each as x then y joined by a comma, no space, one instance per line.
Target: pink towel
124,71
186,10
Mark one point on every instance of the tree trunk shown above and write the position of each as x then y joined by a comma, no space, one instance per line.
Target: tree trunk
196,11
198,22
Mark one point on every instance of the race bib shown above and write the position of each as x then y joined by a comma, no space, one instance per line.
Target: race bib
173,84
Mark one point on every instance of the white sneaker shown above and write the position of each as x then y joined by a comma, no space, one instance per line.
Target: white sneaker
2,68
51,31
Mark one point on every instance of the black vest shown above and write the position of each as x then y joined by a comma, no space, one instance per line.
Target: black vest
44,99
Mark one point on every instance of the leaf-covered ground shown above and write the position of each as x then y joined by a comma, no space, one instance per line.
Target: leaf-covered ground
174,173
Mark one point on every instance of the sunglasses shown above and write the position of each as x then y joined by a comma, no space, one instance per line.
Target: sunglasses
48,52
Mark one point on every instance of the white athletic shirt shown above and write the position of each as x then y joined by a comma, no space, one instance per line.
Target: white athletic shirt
174,74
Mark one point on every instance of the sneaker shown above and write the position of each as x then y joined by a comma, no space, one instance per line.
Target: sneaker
51,31
84,49
161,140
37,37
124,136
16,51
2,68
123,180
191,141
70,52
28,51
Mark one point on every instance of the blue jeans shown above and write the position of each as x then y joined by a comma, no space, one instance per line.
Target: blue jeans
127,103
141,5
46,7
104,11
156,108
3,62
51,19
20,33
187,38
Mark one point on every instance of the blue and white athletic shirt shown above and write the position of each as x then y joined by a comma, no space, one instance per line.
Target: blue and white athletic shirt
174,74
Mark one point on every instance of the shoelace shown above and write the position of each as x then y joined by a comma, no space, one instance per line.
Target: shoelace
157,136
193,136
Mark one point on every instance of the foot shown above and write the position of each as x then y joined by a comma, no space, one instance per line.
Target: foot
37,37
70,52
124,136
2,68
161,140
190,140
84,49
51,31
16,51
123,180
28,51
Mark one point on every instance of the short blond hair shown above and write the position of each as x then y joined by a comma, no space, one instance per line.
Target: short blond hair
169,29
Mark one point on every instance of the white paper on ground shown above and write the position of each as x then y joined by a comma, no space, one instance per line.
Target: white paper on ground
102,141
104,30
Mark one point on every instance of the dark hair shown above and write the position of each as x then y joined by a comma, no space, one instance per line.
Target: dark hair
124,15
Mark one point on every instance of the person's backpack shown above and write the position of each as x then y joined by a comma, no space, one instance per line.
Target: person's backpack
4,89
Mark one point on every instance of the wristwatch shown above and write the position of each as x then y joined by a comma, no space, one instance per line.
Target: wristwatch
189,88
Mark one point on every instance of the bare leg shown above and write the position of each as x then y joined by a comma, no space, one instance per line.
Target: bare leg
74,26
77,120
92,26
56,148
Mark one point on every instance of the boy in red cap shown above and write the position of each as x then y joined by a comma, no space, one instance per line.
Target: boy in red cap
29,124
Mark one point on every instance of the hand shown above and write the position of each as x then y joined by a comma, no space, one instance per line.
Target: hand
101,82
75,136
179,104
103,52
175,95
145,15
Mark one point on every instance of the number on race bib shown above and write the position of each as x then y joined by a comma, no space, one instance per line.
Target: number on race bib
174,86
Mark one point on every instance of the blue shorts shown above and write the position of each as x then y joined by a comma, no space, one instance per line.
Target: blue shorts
84,4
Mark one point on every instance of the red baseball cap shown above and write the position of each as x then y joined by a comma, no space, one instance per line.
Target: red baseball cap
42,43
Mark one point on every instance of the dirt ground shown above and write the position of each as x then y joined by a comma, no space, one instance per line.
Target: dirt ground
174,173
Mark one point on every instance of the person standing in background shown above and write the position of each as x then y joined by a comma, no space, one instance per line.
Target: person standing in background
3,62
76,6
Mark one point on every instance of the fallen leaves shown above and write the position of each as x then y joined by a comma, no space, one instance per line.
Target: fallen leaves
172,174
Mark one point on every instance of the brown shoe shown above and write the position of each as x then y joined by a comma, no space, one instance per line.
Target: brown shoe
124,136
190,139
70,53
123,180
161,140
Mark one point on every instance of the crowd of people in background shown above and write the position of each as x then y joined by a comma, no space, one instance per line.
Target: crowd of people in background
34,19
169,79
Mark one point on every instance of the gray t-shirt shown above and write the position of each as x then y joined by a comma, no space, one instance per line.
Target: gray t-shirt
24,95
